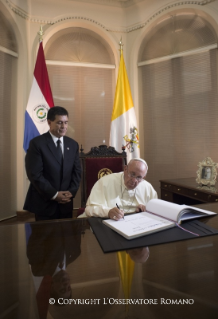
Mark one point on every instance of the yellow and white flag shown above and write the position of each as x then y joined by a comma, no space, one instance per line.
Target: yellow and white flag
124,130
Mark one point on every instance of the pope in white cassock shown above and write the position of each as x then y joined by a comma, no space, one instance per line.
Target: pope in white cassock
120,193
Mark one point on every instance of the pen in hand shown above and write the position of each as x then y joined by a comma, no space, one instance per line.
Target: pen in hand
118,208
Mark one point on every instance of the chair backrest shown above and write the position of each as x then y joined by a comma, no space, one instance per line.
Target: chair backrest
100,161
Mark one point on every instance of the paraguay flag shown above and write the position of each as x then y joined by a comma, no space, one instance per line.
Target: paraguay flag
40,100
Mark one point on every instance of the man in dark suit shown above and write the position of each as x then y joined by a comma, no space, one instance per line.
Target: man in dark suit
54,170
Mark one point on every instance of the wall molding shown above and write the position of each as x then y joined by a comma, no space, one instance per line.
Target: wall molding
81,64
179,55
10,52
20,12
166,8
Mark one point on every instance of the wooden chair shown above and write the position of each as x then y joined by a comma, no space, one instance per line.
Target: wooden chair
99,161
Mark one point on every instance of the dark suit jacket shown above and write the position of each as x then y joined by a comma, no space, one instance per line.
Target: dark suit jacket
47,176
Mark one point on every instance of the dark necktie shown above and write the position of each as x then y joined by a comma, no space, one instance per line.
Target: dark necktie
60,154
61,265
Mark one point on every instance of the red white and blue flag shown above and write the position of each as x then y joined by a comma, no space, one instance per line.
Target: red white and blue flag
40,101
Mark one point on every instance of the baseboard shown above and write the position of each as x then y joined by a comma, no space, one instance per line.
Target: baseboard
6,218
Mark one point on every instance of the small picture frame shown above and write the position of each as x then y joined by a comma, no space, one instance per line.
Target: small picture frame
207,172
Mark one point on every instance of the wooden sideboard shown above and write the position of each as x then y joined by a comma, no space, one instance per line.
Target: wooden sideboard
187,191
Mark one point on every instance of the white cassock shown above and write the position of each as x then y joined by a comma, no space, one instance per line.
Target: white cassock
111,190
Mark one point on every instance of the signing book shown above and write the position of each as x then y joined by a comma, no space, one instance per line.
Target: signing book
159,215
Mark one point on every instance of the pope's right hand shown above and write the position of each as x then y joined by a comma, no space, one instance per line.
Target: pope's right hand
116,213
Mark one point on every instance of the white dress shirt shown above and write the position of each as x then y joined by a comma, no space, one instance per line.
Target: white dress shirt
55,139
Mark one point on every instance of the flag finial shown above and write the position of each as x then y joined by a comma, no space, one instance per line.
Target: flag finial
121,45
41,33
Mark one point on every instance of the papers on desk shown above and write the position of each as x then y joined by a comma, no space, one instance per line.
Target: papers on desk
175,212
160,215
137,225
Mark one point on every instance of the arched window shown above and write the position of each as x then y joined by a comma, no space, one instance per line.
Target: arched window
8,62
81,70
178,76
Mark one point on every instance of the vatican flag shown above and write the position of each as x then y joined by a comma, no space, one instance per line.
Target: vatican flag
124,130
126,266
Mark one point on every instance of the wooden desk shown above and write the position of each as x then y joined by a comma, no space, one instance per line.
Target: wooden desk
185,271
187,191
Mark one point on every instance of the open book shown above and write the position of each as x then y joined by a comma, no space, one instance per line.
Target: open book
159,215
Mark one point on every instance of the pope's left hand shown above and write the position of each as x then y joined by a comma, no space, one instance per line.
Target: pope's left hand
140,208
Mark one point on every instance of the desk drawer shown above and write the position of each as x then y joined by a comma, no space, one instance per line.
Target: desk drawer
166,186
199,195
212,198
204,197
180,190
165,195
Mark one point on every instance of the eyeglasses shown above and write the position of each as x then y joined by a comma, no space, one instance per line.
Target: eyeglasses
132,175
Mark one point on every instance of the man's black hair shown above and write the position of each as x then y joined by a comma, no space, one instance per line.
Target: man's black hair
56,110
